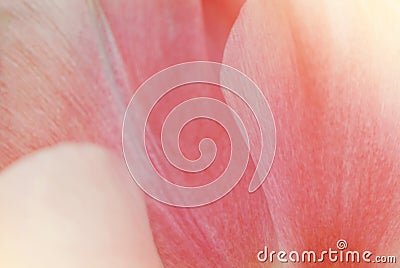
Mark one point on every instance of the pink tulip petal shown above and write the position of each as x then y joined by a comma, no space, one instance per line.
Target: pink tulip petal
330,71
208,235
55,83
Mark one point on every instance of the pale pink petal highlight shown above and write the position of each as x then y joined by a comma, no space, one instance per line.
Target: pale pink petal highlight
73,206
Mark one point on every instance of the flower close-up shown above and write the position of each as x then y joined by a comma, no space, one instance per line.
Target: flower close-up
199,133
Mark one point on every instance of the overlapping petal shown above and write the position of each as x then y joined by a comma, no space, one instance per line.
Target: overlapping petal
330,73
